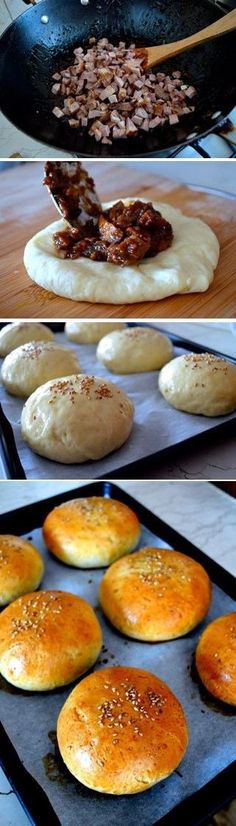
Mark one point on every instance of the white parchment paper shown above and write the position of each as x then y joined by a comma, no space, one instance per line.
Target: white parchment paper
30,719
157,425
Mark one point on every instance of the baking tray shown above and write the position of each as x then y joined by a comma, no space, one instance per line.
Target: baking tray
155,423
205,780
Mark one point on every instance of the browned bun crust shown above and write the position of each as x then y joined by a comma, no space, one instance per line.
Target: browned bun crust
216,658
47,640
91,532
21,568
155,594
121,730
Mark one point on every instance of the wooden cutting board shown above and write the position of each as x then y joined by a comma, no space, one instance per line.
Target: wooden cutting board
25,208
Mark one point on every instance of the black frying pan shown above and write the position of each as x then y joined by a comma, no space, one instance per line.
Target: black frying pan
32,50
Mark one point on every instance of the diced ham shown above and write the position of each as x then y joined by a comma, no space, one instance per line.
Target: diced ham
56,88
57,112
190,92
107,92
173,119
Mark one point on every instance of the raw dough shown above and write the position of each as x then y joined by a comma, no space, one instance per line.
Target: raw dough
202,384
19,332
135,350
90,332
187,266
31,365
76,419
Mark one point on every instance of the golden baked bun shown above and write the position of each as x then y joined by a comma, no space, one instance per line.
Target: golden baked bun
216,658
77,419
47,639
19,332
34,363
155,594
121,730
92,532
201,384
134,350
90,332
21,568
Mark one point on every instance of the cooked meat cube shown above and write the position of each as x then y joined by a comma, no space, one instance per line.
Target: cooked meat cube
108,231
129,251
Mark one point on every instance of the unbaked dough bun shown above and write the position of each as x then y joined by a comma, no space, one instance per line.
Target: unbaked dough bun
187,266
134,350
32,364
202,384
91,532
121,730
77,419
19,332
21,568
216,658
47,640
90,332
155,594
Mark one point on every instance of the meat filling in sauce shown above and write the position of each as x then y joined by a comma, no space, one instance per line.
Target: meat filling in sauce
123,235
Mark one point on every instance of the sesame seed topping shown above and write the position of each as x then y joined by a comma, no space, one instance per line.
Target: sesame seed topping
118,713
198,360
35,611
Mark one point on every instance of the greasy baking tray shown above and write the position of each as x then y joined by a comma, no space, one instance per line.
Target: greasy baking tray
204,781
158,428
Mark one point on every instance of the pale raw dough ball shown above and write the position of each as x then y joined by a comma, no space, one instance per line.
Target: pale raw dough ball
77,419
202,384
134,350
31,365
19,332
90,332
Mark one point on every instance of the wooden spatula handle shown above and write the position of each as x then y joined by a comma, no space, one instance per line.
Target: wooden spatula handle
225,24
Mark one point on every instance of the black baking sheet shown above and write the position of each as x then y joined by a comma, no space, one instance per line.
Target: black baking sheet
204,781
158,428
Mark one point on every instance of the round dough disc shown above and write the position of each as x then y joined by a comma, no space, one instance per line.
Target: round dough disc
90,332
19,332
134,350
32,364
76,419
187,266
202,384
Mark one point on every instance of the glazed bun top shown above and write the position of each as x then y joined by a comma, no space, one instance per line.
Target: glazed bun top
155,594
21,567
91,532
216,658
19,332
121,730
48,639
90,332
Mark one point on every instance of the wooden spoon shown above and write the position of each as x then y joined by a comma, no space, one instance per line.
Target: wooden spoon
152,55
